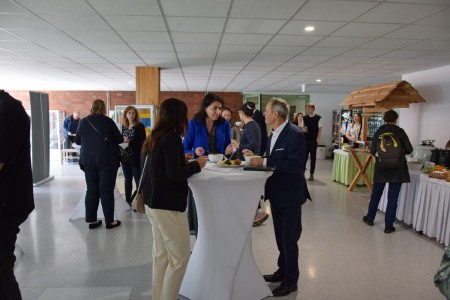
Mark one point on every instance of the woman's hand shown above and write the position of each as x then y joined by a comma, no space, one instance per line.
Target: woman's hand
199,151
125,139
229,149
234,143
202,161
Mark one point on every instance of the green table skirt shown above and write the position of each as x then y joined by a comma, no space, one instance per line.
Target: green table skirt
345,169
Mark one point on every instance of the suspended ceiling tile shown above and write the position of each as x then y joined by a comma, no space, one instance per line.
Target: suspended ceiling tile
282,50
388,44
94,35
126,7
245,39
76,21
418,32
200,38
57,6
260,26
350,42
266,9
195,24
145,36
365,29
201,48
295,40
22,21
251,49
214,8
137,23
400,13
330,10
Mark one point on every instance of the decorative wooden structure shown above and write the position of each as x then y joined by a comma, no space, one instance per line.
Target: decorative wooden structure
379,98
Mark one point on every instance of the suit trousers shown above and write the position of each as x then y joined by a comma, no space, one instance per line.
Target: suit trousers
311,150
9,288
287,223
391,208
171,251
100,182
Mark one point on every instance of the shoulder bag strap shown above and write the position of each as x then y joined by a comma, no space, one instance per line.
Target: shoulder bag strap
105,138
143,170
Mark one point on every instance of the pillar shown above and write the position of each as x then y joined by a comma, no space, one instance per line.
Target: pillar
147,85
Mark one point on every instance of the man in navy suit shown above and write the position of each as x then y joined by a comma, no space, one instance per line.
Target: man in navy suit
286,190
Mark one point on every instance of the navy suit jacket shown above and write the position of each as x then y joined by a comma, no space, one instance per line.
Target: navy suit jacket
287,185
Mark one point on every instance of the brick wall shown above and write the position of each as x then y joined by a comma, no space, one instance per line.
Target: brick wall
70,101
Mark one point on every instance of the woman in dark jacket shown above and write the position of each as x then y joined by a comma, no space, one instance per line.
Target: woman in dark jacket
394,176
251,137
99,138
165,192
133,132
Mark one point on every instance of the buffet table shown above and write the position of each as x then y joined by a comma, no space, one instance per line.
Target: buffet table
424,203
222,265
345,168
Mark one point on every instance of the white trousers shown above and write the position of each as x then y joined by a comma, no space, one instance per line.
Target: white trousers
171,251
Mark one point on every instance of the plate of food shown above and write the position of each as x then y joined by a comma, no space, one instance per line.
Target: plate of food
230,163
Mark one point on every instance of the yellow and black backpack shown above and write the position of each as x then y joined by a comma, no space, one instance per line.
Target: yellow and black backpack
390,151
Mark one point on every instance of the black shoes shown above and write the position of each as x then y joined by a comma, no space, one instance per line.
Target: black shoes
95,225
311,177
368,221
284,289
112,225
275,277
389,229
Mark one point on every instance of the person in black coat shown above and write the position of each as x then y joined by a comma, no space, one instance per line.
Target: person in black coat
133,132
259,118
99,138
16,187
394,176
165,190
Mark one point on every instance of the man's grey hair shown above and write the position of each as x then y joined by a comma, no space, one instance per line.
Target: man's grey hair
281,106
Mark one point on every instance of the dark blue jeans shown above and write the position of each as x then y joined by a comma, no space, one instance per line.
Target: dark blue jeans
391,209
100,181
131,169
9,288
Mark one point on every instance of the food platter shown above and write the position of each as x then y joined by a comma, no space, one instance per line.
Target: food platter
230,166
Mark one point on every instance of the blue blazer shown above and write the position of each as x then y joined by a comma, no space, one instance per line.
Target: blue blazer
197,136
287,185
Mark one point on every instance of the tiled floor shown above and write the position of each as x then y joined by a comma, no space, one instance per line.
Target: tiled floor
340,257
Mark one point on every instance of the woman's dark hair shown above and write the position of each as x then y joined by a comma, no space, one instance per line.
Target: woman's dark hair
295,121
247,110
227,109
172,116
201,115
359,115
98,108
390,116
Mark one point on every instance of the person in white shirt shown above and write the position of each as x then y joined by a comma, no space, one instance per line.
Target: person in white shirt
353,132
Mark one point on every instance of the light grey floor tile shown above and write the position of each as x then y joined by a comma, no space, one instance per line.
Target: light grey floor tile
83,293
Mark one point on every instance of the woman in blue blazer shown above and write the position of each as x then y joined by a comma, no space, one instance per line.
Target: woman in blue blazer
208,132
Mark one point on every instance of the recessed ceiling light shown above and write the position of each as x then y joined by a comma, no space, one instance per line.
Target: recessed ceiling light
309,28
130,82
319,80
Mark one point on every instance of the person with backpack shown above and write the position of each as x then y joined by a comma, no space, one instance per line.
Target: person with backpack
390,144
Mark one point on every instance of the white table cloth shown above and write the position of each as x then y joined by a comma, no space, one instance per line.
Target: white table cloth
222,264
424,203
120,207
